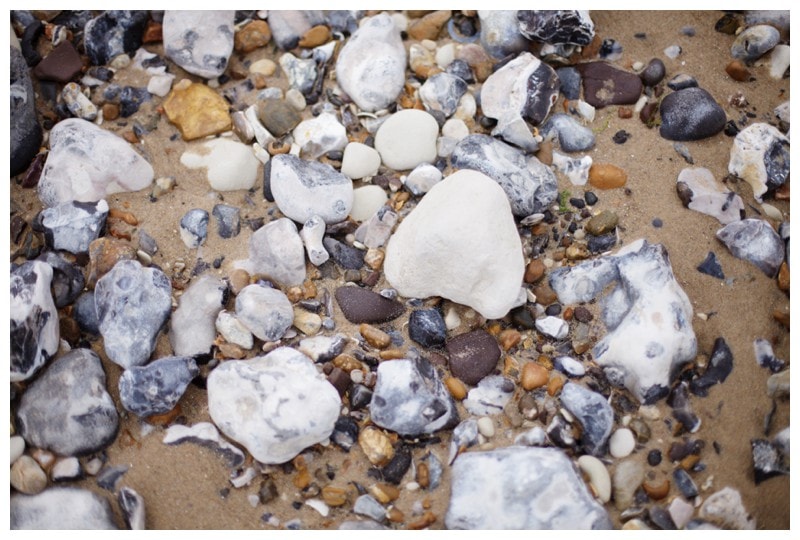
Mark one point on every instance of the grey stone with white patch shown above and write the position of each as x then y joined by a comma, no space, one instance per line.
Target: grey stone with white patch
441,92
304,189
61,508
72,226
319,135
323,348
266,312
157,387
192,329
301,72
572,136
756,241
199,41
490,396
194,227
594,414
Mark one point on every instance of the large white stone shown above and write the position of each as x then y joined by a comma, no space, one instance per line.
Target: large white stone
371,65
230,165
87,163
461,243
406,139
275,405
34,320
199,41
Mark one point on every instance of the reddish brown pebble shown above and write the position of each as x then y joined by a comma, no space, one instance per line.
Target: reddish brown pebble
315,36
533,376
110,111
625,112
738,71
423,475
656,487
781,316
395,515
783,277
252,36
392,354
607,176
429,26
152,32
427,519
568,313
334,496
782,193
456,388
509,338
554,385
127,217
534,271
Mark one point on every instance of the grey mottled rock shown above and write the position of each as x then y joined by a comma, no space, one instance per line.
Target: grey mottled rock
61,508
192,330
301,72
26,134
754,42
276,251
228,224
157,387
441,92
112,33
194,227
72,226
490,396
304,189
699,190
572,136
566,26
760,156
199,41
266,312
756,241
594,414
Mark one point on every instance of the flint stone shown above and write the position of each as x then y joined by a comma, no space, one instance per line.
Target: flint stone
275,405
755,241
725,508
346,256
65,508
594,414
68,281
301,73
228,224
320,135
406,139
754,42
26,134
60,65
157,387
371,65
410,399
604,85
113,33
312,234
276,251
229,165
132,303
85,313
205,434
375,231
690,115
199,41
427,327
569,79
194,227
699,190
521,488
638,352
567,26
711,267
500,35
490,396
530,186
653,73
473,355
72,226
68,410
363,306
760,155
572,136
304,189
461,243
87,163
34,319
441,92
289,26
577,170
266,312
192,328
523,89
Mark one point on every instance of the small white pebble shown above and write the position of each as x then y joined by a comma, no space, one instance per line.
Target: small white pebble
702,316
451,319
640,105
17,447
93,466
253,500
649,412
579,234
486,427
621,443
548,262
598,476
357,376
428,44
319,506
412,486
637,65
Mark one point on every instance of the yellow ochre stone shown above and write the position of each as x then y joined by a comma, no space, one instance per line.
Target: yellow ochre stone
197,111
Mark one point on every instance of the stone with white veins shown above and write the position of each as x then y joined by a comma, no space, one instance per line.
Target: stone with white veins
230,165
554,327
406,139
760,156
423,178
409,398
572,136
699,190
523,89
529,184
199,41
521,488
360,161
64,508
194,227
192,324
157,387
441,92
577,170
266,312
276,251
132,303
35,332
490,396
500,35
312,233
756,241
320,135
371,65
303,189
67,409
113,33
461,243
566,26
72,226
594,414
275,405
205,434
87,163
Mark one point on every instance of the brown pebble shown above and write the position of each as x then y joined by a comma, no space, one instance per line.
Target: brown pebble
395,515
648,113
783,277
166,418
384,493
545,295
375,336
533,376
153,32
781,316
511,367
429,26
252,36
738,71
607,176
545,153
656,487
334,496
578,252
376,446
423,475
231,350
347,363
197,110
130,136
127,217
534,271
509,338
302,479
689,461
782,193
374,258
69,330
568,314
554,385
582,314
239,279
456,388
340,380
315,36
392,354
605,221
104,253
427,519
625,112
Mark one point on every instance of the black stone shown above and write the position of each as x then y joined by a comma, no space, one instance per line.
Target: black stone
718,369
228,224
682,408
590,198
654,457
776,162
602,243
348,257
113,33
68,280
345,433
731,129
427,327
157,387
28,42
661,518
681,82
360,396
130,99
577,203
710,266
85,313
26,134
657,223
685,483
653,73
461,69
394,471
364,306
690,115
621,137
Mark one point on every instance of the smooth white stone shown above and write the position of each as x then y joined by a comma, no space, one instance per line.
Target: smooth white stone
233,330
360,161
230,165
320,135
598,476
366,201
622,443
312,233
406,139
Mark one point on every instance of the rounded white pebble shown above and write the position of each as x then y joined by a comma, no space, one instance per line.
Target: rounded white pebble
366,201
17,447
598,476
451,319
455,128
621,443
360,160
264,66
486,427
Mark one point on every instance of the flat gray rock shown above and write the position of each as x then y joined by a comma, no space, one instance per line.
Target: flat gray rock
199,41
157,387
61,508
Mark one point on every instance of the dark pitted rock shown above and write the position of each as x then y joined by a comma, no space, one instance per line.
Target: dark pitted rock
348,257
530,186
63,508
593,413
690,115
718,369
410,399
84,312
133,303
756,241
199,41
427,327
567,26
26,134
753,43
473,355
34,319
441,92
521,488
73,225
572,136
760,155
228,224
653,73
682,81
711,267
194,227
192,329
364,306
68,410
113,33
570,82
205,434
61,65
266,312
68,280
604,84
157,387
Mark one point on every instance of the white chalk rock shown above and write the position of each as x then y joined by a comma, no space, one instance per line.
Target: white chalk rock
700,191
318,136
760,156
275,405
725,509
553,327
61,508
276,251
366,201
199,41
360,161
423,178
233,330
406,139
312,233
461,243
230,164
87,163
192,329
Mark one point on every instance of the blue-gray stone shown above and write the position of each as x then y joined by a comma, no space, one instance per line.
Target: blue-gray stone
348,257
566,26
73,225
570,366
754,42
682,81
602,243
62,508
132,303
109,476
194,227
68,410
570,81
132,506
228,223
441,92
157,387
342,20
756,241
593,413
366,505
113,33
690,115
427,327
84,312
572,136
719,367
711,267
26,134
68,280
461,69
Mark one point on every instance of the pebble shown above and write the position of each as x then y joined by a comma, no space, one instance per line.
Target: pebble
157,387
602,223
205,434
594,414
252,36
699,190
406,139
429,26
133,303
473,356
133,510
410,399
347,257
725,508
486,427
66,470
26,133
514,473
228,224
320,135
627,476
576,170
367,201
67,409
312,234
653,73
765,357
375,336
572,136
278,116
366,505
570,82
233,331
682,81
61,508
194,227
289,26
17,448
597,476
229,165
442,92
104,253
622,443
533,376
673,51
754,240
376,445
113,33
266,312
303,189
422,179
27,476
276,251
464,214
760,156
754,42
690,115
490,396
364,306
371,65
778,61
34,337
719,367
197,110
200,42
711,267
192,325
569,366
500,34
360,161
275,405
573,27
598,77
77,103
607,176
738,71
427,327
553,327
60,65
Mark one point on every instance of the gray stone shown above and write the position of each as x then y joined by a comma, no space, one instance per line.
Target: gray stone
84,312
366,505
276,251
500,35
68,280
26,134
228,224
199,41
348,257
375,231
754,42
113,33
72,226
320,135
521,488
68,410
194,228
572,136
756,241
364,306
157,387
690,115
569,80
61,508
593,413
192,329
304,189
567,26
266,312
312,234
441,92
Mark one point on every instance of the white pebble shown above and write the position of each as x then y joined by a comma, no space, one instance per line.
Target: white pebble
253,499
357,376
637,65
772,212
93,466
319,506
445,55
366,201
451,319
649,412
486,427
412,486
598,476
360,160
681,512
640,104
17,447
455,128
673,51
621,443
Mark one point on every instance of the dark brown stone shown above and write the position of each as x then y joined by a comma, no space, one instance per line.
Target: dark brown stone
583,314
534,271
738,71
604,85
364,306
61,65
653,73
278,116
473,355
340,380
